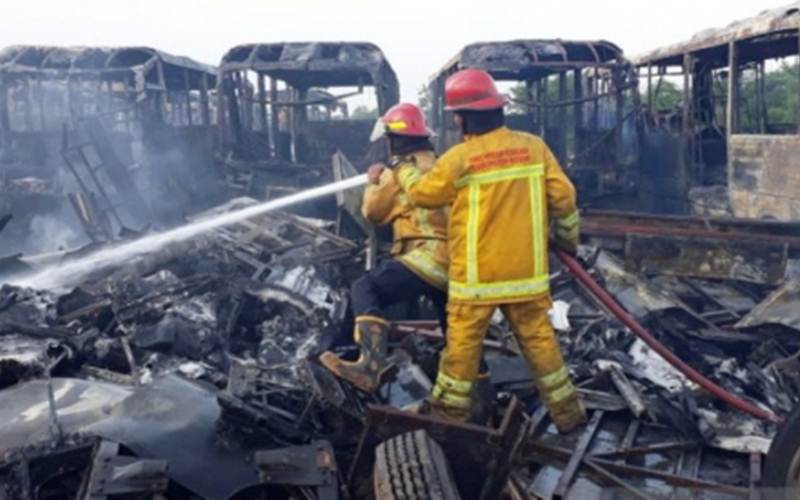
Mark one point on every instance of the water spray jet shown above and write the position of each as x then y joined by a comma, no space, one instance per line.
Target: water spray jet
69,273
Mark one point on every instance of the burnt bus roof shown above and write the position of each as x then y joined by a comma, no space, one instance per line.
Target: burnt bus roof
713,42
87,61
314,64
531,59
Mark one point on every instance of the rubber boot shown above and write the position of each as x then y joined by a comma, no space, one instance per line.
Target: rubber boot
437,404
436,409
371,335
568,414
483,400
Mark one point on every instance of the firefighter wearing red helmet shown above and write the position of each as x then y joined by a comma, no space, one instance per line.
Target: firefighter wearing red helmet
504,189
472,90
418,266
405,120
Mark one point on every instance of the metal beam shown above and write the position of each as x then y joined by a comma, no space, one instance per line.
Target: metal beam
732,106
29,100
544,453
162,95
643,450
188,89
630,437
273,110
755,476
530,105
578,453
618,80
541,98
761,97
688,101
594,90
4,119
577,110
262,96
562,117
615,480
204,109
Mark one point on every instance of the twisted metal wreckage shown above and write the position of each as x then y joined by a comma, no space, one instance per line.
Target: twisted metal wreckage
190,372
200,357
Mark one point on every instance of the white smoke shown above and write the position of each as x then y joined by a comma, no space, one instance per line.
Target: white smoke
71,272
48,233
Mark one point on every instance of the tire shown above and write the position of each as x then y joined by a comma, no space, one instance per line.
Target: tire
412,466
782,465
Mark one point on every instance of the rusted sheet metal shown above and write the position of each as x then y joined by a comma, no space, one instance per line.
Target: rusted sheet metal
639,297
769,21
312,465
603,224
780,308
759,262
763,176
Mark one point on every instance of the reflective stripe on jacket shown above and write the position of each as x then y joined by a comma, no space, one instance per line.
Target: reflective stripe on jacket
420,234
502,185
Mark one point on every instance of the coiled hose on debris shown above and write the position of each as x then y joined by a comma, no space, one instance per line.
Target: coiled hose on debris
606,299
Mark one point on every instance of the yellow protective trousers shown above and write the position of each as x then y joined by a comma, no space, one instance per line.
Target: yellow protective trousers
458,368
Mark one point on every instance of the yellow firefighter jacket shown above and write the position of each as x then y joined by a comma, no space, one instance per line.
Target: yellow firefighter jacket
502,186
420,234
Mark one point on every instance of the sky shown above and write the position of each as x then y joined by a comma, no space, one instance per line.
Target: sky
417,36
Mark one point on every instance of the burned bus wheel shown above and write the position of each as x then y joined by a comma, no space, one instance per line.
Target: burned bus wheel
412,466
782,466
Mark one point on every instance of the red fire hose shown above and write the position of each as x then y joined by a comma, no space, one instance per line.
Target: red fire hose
603,296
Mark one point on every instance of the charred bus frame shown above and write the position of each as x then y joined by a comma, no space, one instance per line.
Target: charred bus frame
586,121
705,141
277,101
122,114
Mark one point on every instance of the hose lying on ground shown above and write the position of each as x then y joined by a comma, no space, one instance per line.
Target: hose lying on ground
606,299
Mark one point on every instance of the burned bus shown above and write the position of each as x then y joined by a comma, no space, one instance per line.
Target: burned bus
727,142
578,95
287,108
123,133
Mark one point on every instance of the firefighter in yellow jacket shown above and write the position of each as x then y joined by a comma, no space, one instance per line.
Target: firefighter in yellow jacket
503,186
418,266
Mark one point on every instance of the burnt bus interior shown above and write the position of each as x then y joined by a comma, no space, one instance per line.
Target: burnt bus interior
713,154
285,111
580,96
124,134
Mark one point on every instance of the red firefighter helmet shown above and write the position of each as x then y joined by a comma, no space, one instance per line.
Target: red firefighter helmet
472,89
406,119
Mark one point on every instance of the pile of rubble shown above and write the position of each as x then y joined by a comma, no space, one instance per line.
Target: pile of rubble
191,373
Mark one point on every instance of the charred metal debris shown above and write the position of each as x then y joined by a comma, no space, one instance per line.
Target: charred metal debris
192,373
101,140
